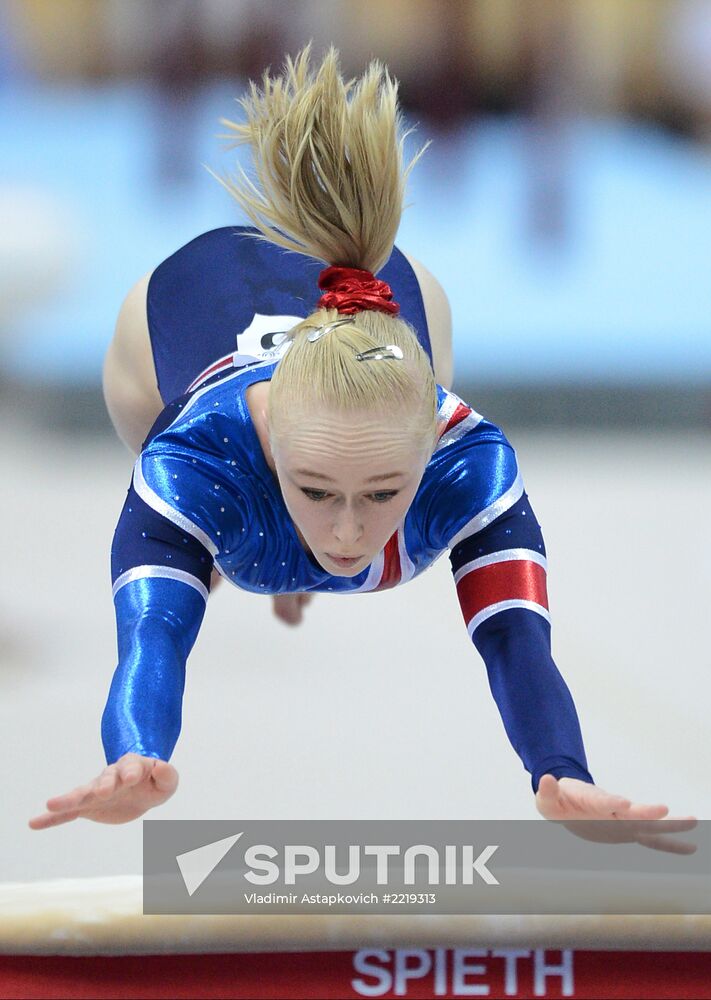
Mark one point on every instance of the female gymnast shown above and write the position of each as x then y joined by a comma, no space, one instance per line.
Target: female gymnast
322,450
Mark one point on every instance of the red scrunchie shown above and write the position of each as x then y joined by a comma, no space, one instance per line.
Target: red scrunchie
351,290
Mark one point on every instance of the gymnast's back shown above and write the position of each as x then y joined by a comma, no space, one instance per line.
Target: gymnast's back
227,292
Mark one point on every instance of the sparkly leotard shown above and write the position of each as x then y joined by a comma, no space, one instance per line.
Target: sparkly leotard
202,494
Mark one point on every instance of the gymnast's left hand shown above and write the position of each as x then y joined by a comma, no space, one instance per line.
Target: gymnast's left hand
569,799
122,792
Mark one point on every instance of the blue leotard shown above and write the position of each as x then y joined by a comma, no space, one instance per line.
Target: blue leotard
202,495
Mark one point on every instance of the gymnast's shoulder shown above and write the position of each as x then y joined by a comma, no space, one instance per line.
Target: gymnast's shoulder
473,472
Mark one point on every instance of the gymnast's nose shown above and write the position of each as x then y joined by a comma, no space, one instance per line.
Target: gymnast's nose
347,529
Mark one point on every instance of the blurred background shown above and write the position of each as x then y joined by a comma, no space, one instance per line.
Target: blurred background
564,205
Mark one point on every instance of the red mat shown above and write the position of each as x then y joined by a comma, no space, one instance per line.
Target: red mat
417,973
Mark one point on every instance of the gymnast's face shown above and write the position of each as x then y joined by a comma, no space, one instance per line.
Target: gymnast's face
347,483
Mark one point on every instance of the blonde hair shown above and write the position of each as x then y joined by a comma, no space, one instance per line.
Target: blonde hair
328,157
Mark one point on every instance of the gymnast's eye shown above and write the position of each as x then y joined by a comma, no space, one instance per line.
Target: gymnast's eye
314,494
382,496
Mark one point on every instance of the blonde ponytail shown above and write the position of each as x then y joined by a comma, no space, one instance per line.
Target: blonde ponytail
330,184
329,167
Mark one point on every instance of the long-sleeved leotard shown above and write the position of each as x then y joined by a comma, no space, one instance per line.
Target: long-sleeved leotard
203,495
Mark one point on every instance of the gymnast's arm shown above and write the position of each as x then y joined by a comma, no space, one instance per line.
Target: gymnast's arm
161,575
500,575
475,506
161,582
498,560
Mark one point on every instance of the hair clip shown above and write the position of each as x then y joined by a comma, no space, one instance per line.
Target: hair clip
381,353
321,331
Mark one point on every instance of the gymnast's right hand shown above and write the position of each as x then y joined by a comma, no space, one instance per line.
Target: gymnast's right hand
122,792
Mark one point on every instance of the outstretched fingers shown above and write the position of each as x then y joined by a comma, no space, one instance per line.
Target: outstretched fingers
637,810
48,819
127,772
70,800
64,808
